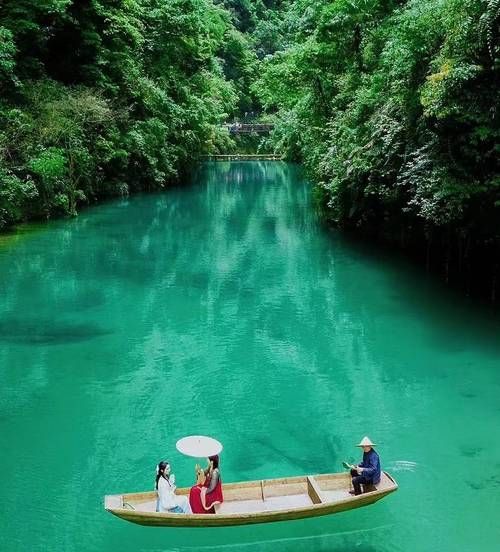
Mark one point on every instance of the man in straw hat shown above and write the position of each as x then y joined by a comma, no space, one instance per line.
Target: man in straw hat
367,472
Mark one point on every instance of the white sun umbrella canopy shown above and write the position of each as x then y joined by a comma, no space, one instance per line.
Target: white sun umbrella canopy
198,446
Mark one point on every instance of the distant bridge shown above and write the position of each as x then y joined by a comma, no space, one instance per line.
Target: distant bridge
248,128
244,157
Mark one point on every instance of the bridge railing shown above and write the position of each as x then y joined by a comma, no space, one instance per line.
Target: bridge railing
248,128
244,157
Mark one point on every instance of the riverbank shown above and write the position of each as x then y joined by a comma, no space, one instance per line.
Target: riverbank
472,268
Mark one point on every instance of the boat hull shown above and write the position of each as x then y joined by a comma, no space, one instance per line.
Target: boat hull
257,502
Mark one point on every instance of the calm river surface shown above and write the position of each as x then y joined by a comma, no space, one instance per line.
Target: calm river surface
225,308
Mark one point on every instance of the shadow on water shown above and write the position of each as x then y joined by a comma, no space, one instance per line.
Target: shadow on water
47,332
329,450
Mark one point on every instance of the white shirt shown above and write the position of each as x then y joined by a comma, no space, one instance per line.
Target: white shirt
166,493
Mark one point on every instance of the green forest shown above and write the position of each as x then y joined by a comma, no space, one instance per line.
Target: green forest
392,107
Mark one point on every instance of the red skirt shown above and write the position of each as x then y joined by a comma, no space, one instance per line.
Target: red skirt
195,500
215,497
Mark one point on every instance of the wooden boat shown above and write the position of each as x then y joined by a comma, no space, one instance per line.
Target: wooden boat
257,501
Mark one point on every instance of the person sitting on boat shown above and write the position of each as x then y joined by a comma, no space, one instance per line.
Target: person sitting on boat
168,501
197,493
367,472
213,493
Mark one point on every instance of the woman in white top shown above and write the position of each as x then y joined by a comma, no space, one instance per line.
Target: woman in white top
168,501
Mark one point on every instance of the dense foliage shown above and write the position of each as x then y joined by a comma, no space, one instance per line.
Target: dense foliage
99,98
393,107
257,33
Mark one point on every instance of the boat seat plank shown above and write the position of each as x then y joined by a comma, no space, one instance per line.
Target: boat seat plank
333,482
314,491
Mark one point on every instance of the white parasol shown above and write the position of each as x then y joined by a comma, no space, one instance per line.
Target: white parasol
198,446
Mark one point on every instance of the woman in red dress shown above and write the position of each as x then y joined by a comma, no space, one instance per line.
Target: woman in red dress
213,494
197,492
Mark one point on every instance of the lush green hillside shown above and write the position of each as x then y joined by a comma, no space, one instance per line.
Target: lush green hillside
394,108
102,98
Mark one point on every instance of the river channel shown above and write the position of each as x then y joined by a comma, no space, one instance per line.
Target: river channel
225,307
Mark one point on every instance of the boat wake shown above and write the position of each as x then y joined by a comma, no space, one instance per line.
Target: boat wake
403,465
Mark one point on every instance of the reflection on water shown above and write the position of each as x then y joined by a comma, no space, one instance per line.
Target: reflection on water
225,308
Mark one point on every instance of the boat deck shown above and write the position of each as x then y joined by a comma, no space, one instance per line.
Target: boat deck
268,505
265,497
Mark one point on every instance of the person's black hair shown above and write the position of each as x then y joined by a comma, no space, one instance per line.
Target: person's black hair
160,472
215,460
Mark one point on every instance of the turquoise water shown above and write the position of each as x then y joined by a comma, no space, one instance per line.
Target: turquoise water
226,308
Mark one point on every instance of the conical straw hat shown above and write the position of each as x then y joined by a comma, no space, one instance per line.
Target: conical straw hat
366,442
